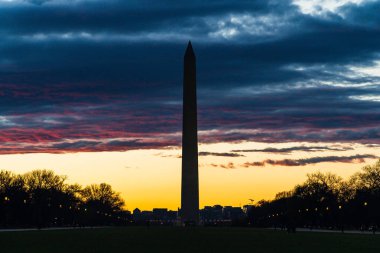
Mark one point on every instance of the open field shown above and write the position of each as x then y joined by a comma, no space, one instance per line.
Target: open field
169,239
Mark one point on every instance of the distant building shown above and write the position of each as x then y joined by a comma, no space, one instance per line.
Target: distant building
141,216
219,215
233,213
158,216
146,215
160,213
210,215
136,212
247,208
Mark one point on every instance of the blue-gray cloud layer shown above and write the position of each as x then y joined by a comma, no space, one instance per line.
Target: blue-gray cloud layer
106,75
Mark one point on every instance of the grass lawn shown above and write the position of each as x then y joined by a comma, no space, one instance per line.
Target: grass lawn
195,240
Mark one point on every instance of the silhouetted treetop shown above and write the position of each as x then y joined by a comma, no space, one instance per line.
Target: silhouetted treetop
102,194
42,198
44,179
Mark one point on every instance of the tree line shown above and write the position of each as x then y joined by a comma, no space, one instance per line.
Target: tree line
325,200
41,198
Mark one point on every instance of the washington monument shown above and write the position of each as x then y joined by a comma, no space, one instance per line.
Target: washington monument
190,189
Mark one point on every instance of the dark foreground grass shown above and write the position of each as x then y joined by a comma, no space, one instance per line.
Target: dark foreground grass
195,240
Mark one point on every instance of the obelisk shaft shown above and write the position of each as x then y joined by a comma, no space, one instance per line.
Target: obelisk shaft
190,188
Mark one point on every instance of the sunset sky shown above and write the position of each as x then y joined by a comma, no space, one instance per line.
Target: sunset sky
92,89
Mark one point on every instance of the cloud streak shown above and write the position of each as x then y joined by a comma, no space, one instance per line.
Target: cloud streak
294,149
359,158
312,160
222,154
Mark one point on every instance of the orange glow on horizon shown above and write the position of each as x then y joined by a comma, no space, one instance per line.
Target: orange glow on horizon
151,178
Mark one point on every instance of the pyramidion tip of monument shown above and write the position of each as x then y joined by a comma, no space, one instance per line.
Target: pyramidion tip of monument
189,49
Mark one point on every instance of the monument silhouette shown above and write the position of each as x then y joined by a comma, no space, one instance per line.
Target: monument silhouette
190,188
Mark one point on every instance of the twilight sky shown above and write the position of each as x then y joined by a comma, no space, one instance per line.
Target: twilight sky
281,85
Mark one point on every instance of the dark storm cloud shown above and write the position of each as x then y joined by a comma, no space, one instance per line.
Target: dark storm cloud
127,17
38,2
106,75
364,14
